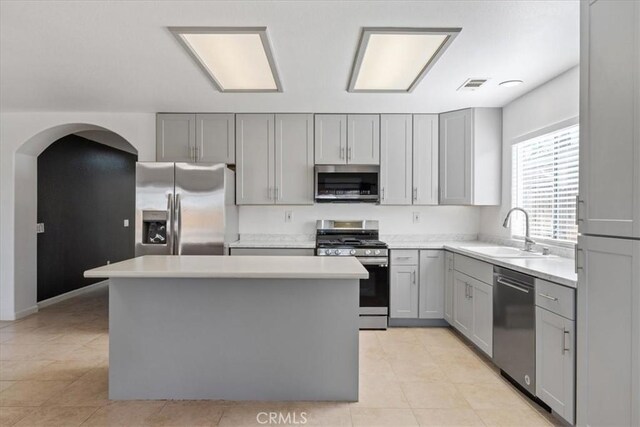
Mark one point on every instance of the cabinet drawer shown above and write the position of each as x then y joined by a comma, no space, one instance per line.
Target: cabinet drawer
556,298
472,267
404,257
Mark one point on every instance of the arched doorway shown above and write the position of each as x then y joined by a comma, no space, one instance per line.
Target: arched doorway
19,278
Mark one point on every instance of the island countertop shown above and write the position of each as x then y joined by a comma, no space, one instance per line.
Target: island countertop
241,267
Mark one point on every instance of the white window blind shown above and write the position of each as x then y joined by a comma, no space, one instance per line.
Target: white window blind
545,184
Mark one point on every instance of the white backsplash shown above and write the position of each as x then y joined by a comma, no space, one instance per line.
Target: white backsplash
394,220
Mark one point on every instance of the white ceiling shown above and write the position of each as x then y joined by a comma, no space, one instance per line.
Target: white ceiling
119,55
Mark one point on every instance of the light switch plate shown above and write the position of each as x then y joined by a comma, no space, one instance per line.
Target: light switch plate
416,217
126,222
40,227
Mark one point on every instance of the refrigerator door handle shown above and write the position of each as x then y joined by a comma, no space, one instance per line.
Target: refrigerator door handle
170,234
178,224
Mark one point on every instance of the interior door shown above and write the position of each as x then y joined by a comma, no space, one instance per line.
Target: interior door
294,159
255,163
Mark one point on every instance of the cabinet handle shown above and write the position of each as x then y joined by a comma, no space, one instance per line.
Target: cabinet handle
470,292
415,194
382,193
578,201
197,156
413,275
566,345
576,256
466,290
548,296
349,152
342,152
269,189
277,193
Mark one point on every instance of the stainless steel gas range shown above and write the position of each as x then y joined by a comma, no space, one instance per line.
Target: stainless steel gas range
360,239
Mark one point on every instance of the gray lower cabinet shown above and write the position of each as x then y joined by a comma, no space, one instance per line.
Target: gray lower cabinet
403,298
206,138
462,304
470,156
431,289
473,310
448,287
363,139
271,252
555,362
175,137
395,164
274,159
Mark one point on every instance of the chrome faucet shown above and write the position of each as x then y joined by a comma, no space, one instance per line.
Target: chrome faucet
528,242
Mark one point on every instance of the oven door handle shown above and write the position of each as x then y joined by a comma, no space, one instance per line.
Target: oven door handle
381,261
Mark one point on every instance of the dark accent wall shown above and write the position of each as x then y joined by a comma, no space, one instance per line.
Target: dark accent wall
85,192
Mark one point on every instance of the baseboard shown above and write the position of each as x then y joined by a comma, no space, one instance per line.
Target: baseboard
73,293
24,313
417,322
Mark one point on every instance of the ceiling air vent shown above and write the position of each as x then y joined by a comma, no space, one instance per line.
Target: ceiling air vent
472,84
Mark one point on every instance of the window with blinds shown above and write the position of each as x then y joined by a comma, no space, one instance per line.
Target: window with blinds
545,184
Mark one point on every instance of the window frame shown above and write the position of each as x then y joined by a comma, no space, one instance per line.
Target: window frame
564,124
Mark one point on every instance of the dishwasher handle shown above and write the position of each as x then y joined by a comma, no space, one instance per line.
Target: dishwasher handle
504,282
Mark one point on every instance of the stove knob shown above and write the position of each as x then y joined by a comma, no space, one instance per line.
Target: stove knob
367,252
352,251
336,252
377,251
321,251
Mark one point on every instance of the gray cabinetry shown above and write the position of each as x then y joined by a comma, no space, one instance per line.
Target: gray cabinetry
431,289
255,144
608,375
215,138
175,137
395,163
481,295
425,159
330,139
610,119
363,139
448,287
206,138
470,156
462,304
403,299
274,159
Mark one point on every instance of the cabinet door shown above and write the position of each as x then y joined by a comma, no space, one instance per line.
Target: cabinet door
216,138
555,362
608,376
482,333
255,159
294,159
425,159
610,119
431,289
175,137
404,291
462,306
455,157
363,139
330,139
395,164
448,287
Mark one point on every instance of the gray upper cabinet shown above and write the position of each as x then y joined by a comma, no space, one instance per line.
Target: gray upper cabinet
294,159
215,138
470,156
175,137
330,139
207,138
425,159
431,290
255,146
274,159
363,139
610,119
395,164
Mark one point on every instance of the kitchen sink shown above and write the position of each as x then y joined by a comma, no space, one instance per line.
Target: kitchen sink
503,252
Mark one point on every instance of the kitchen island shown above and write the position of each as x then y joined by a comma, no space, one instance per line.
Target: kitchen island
233,328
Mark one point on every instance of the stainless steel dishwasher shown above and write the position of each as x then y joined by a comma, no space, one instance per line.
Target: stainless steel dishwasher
514,326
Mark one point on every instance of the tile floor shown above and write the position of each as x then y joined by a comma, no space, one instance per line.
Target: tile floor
54,365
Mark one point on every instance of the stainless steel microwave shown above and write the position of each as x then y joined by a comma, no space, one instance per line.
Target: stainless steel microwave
347,183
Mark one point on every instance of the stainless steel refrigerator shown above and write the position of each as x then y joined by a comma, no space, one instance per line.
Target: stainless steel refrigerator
185,209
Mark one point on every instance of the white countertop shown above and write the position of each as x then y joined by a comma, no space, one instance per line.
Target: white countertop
288,241
241,267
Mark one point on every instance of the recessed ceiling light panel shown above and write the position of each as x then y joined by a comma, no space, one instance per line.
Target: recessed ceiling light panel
511,83
235,59
396,59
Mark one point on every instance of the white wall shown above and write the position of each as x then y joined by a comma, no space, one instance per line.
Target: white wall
23,136
440,220
549,104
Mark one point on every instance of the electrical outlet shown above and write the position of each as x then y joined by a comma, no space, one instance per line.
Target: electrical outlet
416,217
288,216
126,222
40,227
108,262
